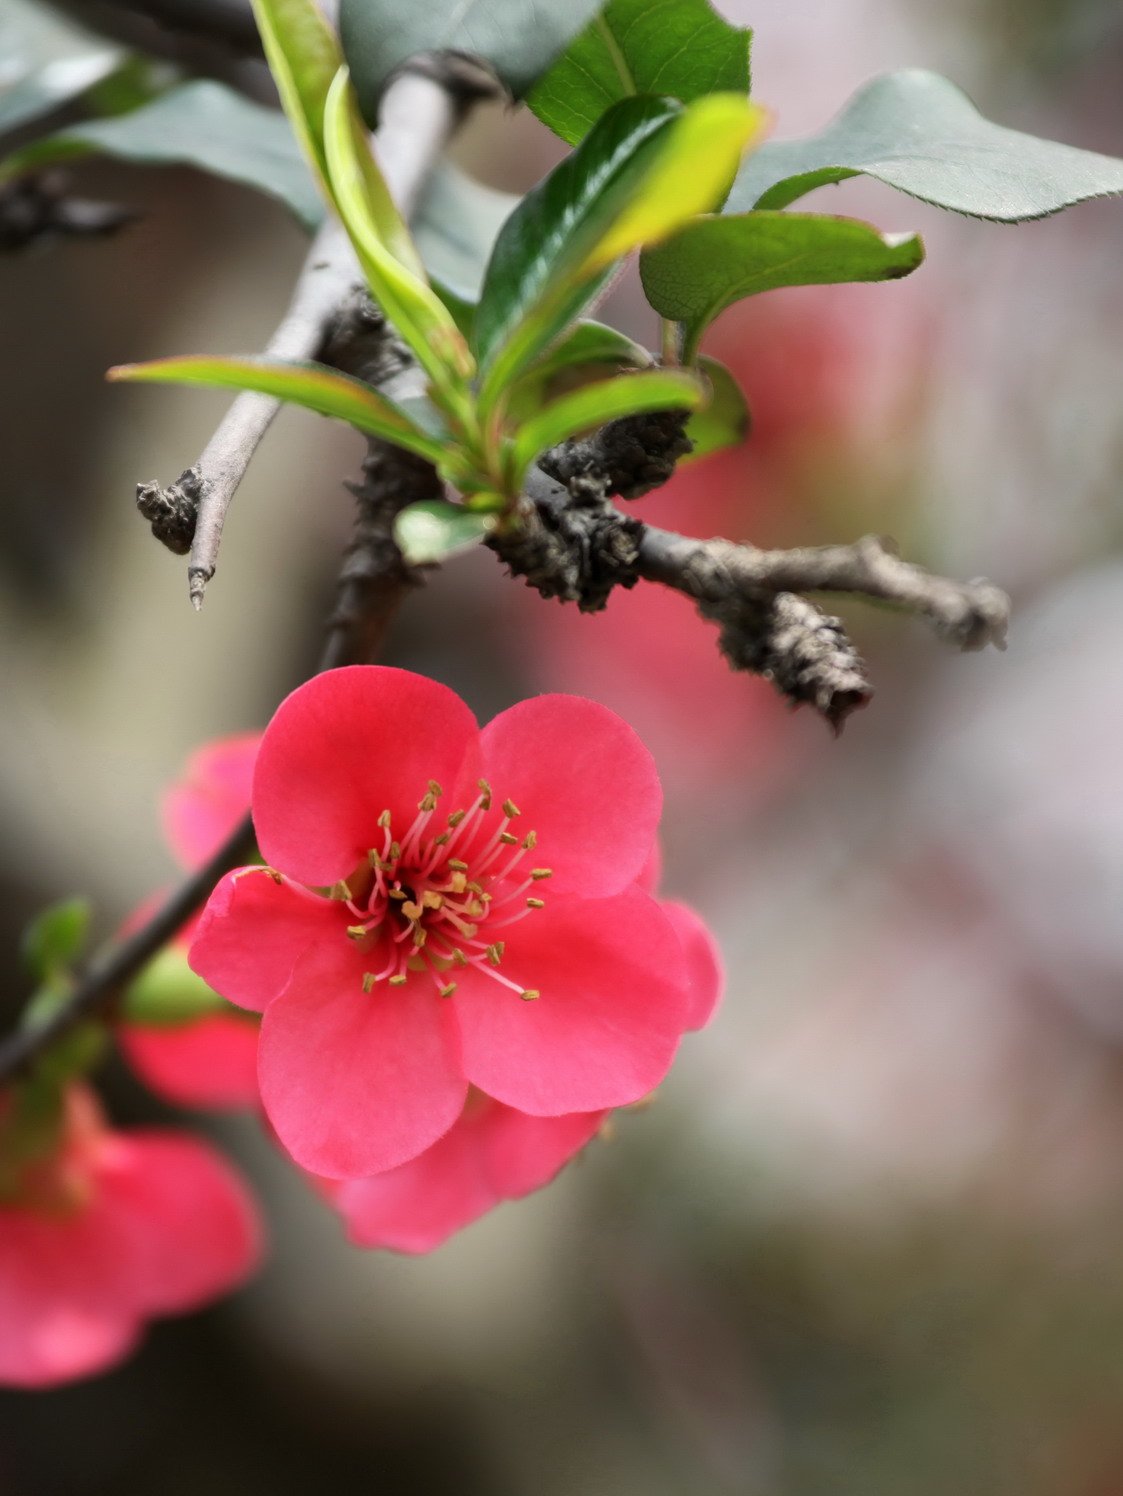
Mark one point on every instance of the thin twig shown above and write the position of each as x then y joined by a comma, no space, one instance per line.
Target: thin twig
418,115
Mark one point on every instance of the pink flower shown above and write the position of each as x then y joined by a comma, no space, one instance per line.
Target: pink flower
209,1061
492,1152
447,954
113,1229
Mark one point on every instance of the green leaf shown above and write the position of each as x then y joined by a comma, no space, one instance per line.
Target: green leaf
455,226
518,38
167,992
590,344
45,61
678,47
717,260
56,938
646,167
385,250
205,125
916,131
310,385
432,531
594,405
724,420
304,57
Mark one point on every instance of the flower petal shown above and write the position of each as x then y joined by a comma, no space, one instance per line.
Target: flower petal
358,1082
253,930
703,962
340,750
584,783
490,1154
208,1062
204,805
188,1227
613,1006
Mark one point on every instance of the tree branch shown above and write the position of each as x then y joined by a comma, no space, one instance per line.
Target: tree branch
418,115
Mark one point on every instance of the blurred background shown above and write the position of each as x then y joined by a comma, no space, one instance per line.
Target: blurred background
869,1236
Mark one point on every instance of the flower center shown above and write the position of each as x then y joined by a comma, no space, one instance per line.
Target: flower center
440,896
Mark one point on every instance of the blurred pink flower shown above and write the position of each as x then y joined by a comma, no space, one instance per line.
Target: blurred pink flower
571,1001
110,1230
209,1061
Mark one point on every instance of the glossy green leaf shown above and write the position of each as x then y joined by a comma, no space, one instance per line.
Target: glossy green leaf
518,38
724,420
646,167
594,405
376,231
717,260
678,47
304,57
168,992
455,226
45,61
56,938
201,124
432,531
311,385
916,131
589,344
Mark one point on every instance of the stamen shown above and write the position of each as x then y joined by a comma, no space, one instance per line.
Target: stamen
340,890
530,840
384,820
398,893
539,873
495,953
395,852
428,803
442,840
530,995
535,904
431,899
458,956
457,866
420,936
510,808
368,980
454,820
435,789
449,990
399,980
508,840
374,860
411,910
356,932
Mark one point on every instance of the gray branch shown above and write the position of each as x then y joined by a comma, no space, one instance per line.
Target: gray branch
418,115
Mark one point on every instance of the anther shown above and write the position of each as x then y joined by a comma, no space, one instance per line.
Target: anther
459,882
538,873
510,808
530,840
458,957
454,820
457,866
368,980
340,890
449,990
474,887
531,995
430,899
395,851
398,893
419,938
495,953
374,860
356,932
439,841
435,789
411,910
483,785
399,980
384,820
428,803
535,904
508,839
475,909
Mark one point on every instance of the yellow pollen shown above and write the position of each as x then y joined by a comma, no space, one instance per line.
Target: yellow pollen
485,898
535,904
384,820
510,808
483,785
475,909
474,887
356,932
458,956
428,803
539,873
470,931
530,840
454,820
368,980
495,953
431,899
411,910
395,851
374,859
508,839
449,990
435,789
531,995
459,882
419,938
398,893
398,981
457,866
439,841
485,802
